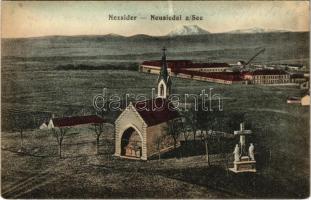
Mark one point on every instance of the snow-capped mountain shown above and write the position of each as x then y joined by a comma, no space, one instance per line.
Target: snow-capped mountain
256,30
188,30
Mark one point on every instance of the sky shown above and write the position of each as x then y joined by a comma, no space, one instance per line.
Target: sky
42,18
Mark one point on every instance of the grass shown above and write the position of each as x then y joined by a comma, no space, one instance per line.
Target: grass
278,127
81,173
39,173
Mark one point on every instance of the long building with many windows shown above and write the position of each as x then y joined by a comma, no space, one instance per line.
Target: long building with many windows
216,72
267,77
154,66
211,72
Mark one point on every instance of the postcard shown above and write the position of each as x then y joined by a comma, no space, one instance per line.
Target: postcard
155,99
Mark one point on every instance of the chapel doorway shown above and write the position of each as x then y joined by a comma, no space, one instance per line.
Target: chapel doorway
131,144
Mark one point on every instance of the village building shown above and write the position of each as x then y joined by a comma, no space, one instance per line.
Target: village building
305,85
293,100
154,66
216,77
267,77
294,67
298,78
43,126
210,72
141,130
305,100
220,73
62,122
209,67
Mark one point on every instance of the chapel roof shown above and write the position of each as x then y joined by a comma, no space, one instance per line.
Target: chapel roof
156,111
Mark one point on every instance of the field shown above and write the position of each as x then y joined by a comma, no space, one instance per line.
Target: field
265,108
32,83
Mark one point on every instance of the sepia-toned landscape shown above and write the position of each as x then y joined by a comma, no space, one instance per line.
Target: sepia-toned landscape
252,142
34,83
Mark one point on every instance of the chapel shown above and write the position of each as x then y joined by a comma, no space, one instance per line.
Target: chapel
142,129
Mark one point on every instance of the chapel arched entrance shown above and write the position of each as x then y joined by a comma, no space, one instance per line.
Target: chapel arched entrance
131,143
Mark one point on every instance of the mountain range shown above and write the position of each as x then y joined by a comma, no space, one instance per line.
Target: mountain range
258,30
196,30
188,30
185,30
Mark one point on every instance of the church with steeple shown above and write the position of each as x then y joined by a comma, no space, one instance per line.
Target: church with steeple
140,127
164,79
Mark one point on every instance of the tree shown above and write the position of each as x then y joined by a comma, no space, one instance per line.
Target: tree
187,132
159,140
21,123
59,135
191,122
207,135
174,129
205,138
99,129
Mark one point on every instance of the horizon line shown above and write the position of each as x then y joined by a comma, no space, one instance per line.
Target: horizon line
167,35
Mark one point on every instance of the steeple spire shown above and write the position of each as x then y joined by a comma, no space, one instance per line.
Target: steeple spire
163,72
164,80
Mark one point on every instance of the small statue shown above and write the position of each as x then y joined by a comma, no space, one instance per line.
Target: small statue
251,151
242,143
236,153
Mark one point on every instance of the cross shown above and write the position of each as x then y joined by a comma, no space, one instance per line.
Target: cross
242,132
164,49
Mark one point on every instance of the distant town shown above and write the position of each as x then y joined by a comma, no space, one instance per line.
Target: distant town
242,72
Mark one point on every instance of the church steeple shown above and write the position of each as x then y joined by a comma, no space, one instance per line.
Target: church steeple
164,79
163,72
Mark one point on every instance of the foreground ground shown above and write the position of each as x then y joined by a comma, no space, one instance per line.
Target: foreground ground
40,173
281,129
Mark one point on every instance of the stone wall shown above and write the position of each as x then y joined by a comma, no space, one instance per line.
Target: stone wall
153,133
130,118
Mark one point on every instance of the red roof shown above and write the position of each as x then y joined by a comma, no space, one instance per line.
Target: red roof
77,120
227,76
209,65
293,98
178,64
156,111
170,63
297,76
267,72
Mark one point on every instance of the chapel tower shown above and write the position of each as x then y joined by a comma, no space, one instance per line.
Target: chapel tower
164,79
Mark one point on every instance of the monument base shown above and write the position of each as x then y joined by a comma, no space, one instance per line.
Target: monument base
245,165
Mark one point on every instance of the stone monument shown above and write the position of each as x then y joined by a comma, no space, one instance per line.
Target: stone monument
244,161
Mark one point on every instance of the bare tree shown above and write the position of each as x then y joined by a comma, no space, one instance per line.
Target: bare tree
159,140
205,138
99,129
174,129
191,122
59,135
207,135
21,123
187,132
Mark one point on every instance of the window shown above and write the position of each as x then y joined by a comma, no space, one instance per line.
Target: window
161,90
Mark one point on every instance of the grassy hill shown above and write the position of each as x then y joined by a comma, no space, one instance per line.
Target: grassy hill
288,46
